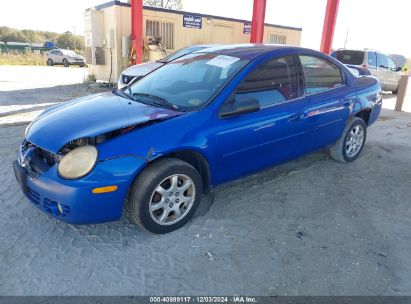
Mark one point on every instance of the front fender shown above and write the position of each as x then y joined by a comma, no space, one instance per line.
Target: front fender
188,132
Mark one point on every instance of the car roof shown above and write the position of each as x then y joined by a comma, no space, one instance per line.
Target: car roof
205,45
247,51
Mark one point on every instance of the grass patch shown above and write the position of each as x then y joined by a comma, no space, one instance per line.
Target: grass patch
22,59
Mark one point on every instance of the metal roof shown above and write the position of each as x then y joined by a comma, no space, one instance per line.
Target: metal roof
160,9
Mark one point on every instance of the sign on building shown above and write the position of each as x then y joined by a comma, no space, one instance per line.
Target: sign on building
192,21
247,28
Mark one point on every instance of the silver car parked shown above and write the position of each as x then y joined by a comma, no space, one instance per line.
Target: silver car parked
136,72
65,57
376,63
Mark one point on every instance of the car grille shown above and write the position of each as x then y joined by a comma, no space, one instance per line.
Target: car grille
48,205
33,196
35,160
51,207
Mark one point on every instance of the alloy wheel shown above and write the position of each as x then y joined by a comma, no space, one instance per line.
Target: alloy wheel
354,141
172,199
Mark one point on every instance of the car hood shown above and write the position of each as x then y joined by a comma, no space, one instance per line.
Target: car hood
142,69
88,117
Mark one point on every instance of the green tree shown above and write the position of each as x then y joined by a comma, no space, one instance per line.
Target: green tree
50,36
69,41
171,4
30,36
65,40
11,35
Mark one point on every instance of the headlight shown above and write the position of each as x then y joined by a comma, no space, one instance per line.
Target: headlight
78,163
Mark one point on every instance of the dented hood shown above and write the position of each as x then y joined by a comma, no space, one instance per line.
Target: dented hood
88,117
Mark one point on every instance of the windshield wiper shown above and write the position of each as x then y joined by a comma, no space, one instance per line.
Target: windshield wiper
158,101
122,94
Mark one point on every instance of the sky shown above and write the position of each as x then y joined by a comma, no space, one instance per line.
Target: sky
376,24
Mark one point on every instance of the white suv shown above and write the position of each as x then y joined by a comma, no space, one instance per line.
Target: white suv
65,57
377,64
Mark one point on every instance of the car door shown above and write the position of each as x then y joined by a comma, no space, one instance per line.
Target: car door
372,63
52,55
275,133
394,75
58,56
382,72
328,101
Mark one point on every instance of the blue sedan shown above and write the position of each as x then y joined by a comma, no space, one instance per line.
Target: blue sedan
155,147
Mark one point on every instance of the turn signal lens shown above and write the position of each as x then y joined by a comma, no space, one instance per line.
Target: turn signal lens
104,189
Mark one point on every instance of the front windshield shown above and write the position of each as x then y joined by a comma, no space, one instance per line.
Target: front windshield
181,53
189,82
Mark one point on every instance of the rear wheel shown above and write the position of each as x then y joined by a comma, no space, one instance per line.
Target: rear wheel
165,195
351,142
395,92
49,62
66,63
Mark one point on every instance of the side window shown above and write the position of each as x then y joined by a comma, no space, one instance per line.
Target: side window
320,74
382,61
391,64
372,59
272,82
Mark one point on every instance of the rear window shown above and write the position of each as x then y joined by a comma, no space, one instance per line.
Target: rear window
349,57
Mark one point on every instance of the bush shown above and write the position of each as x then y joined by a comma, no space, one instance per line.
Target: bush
90,78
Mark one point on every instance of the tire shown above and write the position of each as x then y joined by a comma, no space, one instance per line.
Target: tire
82,65
395,92
66,63
50,62
153,210
340,151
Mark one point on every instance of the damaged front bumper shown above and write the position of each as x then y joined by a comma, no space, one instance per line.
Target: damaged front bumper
73,201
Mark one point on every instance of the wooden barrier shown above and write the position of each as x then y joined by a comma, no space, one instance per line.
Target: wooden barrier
402,91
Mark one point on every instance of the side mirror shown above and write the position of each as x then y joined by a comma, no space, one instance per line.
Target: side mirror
241,105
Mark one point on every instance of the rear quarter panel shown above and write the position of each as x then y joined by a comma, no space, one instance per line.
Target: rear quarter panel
369,97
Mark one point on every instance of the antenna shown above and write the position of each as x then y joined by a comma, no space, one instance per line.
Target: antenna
346,37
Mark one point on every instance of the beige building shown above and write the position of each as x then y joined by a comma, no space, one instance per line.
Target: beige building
108,29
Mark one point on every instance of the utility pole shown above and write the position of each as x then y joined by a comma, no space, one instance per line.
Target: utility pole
74,37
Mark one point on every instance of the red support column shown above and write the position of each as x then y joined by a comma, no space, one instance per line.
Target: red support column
257,25
329,25
137,29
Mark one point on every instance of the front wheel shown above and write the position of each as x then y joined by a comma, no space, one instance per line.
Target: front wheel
165,195
66,63
351,142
